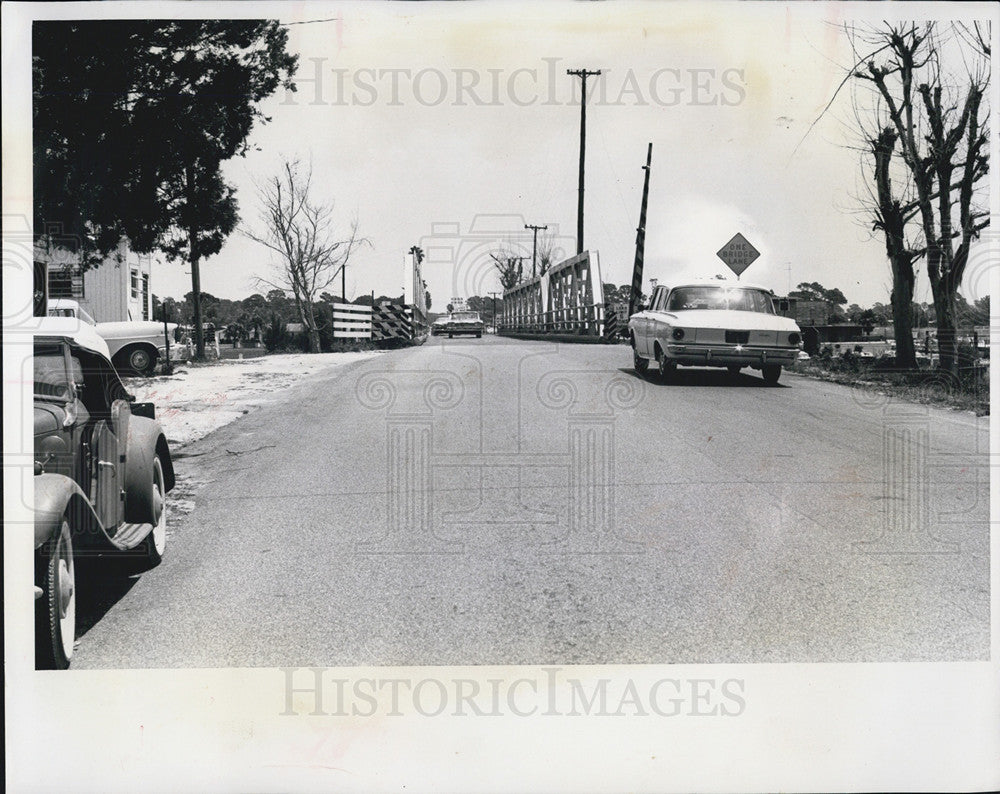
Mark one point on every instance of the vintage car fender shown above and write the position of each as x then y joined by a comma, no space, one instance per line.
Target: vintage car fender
56,495
145,442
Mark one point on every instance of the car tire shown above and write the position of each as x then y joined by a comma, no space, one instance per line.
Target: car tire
771,373
451,336
733,370
140,360
149,553
55,609
479,336
666,368
639,364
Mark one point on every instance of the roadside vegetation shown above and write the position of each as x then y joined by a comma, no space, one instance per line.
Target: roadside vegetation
968,389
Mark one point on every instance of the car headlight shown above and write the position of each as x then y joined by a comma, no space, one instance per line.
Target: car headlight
794,338
678,334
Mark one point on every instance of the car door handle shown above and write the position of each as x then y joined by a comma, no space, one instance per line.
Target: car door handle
106,463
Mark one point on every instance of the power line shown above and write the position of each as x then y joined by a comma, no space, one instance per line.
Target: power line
312,21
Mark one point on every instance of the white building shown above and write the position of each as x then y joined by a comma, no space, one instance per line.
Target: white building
117,289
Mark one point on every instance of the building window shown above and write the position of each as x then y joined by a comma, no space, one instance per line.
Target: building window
145,296
135,283
65,281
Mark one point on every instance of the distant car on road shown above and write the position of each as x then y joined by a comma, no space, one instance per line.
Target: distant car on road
465,323
102,469
135,345
440,326
715,323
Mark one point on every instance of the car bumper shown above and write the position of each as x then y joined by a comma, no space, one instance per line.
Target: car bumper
466,329
729,355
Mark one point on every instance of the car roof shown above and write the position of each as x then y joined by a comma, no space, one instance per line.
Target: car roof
76,331
717,282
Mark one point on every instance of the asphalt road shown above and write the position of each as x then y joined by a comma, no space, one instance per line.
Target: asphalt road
506,502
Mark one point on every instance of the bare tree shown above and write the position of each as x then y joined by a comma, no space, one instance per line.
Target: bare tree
547,252
300,230
928,154
510,269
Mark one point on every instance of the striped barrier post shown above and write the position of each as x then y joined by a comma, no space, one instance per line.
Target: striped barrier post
391,321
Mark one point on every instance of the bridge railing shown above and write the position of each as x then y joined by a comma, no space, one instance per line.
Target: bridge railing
568,299
582,320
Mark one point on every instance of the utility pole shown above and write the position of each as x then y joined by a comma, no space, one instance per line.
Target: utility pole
534,244
640,237
494,294
343,282
583,74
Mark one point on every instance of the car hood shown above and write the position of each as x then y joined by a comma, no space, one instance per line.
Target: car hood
732,320
130,328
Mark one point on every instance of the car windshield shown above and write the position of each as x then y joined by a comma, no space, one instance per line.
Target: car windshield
65,311
50,373
465,316
732,298
49,365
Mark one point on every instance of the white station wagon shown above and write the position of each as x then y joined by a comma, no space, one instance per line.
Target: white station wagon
713,324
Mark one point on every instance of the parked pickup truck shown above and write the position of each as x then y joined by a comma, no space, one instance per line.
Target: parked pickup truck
135,345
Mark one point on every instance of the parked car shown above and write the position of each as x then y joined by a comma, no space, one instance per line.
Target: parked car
136,345
465,323
102,469
713,324
440,326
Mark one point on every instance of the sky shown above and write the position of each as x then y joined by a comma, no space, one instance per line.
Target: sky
450,126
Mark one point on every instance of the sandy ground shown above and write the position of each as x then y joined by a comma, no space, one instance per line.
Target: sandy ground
196,400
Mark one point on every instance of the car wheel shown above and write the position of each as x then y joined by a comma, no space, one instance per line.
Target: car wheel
55,609
733,370
451,336
479,336
639,364
771,373
149,553
666,368
141,360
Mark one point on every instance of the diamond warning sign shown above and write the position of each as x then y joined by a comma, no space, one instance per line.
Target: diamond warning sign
738,254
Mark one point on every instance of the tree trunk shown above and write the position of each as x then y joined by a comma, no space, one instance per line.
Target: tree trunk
892,223
314,346
902,322
947,341
199,332
192,232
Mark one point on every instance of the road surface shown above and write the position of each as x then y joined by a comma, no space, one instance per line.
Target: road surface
506,502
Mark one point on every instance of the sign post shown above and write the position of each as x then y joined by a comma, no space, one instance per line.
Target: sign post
738,254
